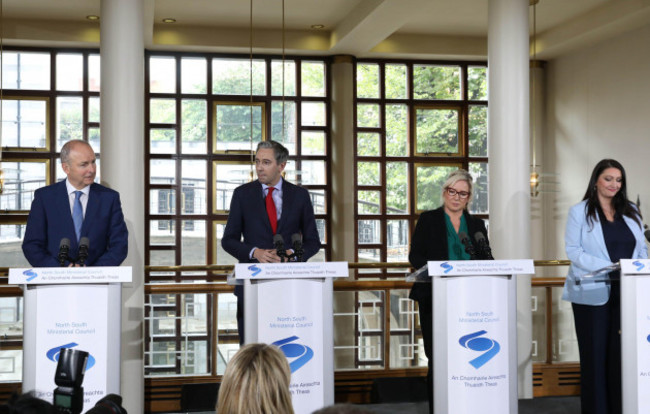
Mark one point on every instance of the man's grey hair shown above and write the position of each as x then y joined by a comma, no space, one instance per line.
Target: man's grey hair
67,147
280,152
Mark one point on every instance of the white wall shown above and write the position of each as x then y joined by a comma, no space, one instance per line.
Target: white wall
598,106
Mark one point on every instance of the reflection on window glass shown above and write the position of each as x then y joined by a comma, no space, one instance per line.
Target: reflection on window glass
396,130
369,232
232,77
162,111
429,180
162,233
24,123
477,131
227,178
368,144
313,143
21,180
368,115
313,114
396,82
194,126
479,203
233,126
69,72
312,75
397,240
162,74
318,200
194,75
368,202
436,82
25,70
397,188
283,124
436,131
193,178
477,83
367,80
162,201
289,78
69,120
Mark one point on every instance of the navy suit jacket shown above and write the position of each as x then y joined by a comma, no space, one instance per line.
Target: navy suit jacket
248,217
50,220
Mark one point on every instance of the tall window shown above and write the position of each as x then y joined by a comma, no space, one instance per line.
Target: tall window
205,115
415,122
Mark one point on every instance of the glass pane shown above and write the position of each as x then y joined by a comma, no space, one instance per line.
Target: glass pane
369,256
193,242
233,127
369,232
222,257
479,203
477,88
25,70
69,120
194,75
162,111
318,200
436,82
233,77
193,182
24,123
565,343
11,252
162,258
368,115
368,173
312,76
94,73
283,124
162,74
21,180
162,141
404,346
436,131
162,171
397,240
11,365
538,308
367,80
368,144
368,202
289,78
320,227
227,339
93,109
227,178
346,318
93,140
429,180
194,126
313,143
397,130
69,72
313,114
397,188
478,131
162,201
396,82
162,233
312,173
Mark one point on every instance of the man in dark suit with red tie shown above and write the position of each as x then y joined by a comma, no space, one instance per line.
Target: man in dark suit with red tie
263,208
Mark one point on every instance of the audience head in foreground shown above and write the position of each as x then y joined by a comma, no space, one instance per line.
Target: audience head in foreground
256,381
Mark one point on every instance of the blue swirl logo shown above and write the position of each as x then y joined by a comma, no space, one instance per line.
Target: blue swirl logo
488,346
31,274
448,268
638,265
648,338
254,270
301,354
53,354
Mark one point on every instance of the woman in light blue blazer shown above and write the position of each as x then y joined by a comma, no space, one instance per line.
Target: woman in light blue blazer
602,229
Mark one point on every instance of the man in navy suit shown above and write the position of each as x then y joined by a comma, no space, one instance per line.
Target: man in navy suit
251,216
73,209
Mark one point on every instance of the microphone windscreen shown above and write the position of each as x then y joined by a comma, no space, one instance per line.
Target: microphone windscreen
463,237
647,235
296,238
278,239
65,242
84,242
478,236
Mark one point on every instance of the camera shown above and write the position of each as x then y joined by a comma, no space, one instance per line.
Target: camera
69,395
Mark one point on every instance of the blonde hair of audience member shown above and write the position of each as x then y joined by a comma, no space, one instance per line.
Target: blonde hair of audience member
256,381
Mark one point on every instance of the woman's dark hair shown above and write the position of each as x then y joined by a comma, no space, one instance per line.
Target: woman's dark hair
622,206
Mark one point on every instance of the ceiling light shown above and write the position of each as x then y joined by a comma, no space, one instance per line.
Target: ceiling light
317,26
169,20
92,17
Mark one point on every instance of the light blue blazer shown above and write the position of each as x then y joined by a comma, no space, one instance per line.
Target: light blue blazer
585,247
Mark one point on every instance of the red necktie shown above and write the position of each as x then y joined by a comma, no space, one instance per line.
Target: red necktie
270,210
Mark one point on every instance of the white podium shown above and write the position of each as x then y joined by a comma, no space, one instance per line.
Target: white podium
635,335
290,305
475,335
72,307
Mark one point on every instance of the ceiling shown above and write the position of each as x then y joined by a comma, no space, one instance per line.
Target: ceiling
438,29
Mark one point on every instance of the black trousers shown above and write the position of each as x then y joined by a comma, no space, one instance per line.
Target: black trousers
599,341
426,324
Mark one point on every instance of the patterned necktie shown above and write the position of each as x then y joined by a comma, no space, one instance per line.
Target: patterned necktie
270,210
77,214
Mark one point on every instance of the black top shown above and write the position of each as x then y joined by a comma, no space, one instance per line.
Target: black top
429,242
619,240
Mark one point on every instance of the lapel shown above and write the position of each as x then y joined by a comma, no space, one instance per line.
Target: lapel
91,209
62,202
287,202
597,233
259,205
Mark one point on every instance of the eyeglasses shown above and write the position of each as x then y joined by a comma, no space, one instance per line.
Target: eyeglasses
454,193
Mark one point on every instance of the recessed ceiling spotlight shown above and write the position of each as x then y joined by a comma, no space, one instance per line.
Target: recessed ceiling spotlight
92,17
169,20
317,26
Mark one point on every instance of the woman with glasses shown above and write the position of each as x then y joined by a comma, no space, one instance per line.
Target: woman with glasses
436,237
602,229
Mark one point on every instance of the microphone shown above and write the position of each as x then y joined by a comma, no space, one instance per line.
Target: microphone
647,233
296,243
278,245
83,250
64,248
464,238
483,246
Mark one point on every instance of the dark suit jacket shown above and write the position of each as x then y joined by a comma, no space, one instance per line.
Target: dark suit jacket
248,217
50,220
429,242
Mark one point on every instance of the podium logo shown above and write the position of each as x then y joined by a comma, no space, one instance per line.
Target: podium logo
31,274
448,268
53,354
488,346
648,338
254,270
297,354
639,265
